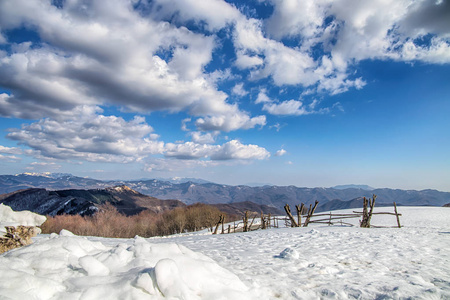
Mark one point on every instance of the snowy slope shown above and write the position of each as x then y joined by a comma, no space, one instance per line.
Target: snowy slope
317,262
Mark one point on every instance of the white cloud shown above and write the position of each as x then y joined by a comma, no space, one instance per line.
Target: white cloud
229,122
289,107
89,136
262,97
10,150
122,58
239,90
280,152
204,138
292,18
339,84
229,151
215,13
244,61
437,52
138,60
285,65
235,150
377,29
188,150
9,158
277,126
184,124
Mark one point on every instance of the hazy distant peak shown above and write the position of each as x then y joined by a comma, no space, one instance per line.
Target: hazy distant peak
121,189
178,180
46,174
353,186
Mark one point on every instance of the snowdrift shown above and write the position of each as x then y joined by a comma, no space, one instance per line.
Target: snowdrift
71,267
8,217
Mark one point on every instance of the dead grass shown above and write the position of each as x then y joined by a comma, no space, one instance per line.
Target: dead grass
108,222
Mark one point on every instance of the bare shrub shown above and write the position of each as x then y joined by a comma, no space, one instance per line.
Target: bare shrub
108,222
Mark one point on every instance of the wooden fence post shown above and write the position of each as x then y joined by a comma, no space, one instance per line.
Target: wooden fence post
251,223
223,221
396,214
263,221
299,213
245,228
310,213
218,224
288,212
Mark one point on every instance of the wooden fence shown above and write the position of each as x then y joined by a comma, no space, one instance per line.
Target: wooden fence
268,221
332,219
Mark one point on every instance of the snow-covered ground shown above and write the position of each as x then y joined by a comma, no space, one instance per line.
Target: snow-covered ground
316,262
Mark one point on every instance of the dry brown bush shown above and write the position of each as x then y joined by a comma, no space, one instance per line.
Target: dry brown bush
108,222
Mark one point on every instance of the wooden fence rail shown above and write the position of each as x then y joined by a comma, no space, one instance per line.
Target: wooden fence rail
331,219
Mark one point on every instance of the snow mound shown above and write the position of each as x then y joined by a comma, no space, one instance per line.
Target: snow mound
8,217
289,253
73,267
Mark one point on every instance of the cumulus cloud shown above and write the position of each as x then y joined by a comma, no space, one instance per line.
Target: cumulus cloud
10,150
292,18
235,150
215,14
262,97
284,64
280,152
232,150
122,58
229,122
91,137
239,90
188,150
369,30
204,138
140,55
228,151
289,107
244,61
168,55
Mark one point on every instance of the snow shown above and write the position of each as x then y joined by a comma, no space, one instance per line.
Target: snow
8,217
315,262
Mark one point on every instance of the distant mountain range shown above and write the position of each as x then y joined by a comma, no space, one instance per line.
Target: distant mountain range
190,192
85,202
124,199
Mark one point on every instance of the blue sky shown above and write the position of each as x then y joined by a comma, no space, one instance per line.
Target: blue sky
287,92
